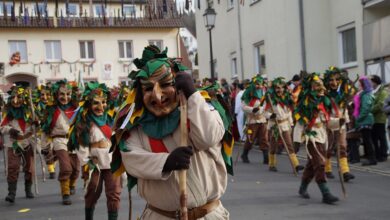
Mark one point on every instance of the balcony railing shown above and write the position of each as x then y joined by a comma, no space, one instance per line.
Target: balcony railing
155,21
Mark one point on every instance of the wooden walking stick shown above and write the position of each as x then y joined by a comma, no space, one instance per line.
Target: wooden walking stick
341,177
35,137
183,142
281,136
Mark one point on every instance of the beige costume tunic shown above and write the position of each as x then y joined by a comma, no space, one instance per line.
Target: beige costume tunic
102,154
253,118
319,127
206,177
283,115
60,128
8,141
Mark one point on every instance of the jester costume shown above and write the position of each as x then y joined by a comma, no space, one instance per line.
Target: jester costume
56,126
339,90
17,128
90,137
312,116
256,123
43,99
150,141
279,109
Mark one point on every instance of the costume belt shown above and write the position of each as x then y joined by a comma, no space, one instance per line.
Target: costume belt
281,121
193,214
318,125
100,144
58,136
23,137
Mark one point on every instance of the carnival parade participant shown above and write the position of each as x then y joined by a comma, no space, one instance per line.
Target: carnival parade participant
150,145
338,91
256,123
90,137
56,126
17,127
279,112
45,99
312,115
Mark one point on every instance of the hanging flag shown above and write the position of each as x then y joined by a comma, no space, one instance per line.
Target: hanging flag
122,8
187,5
56,9
20,9
37,10
105,3
199,4
90,9
13,11
81,8
67,8
165,8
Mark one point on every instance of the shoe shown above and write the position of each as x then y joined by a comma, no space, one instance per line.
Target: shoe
72,190
369,163
329,175
265,157
304,194
66,200
383,159
27,188
354,161
245,158
11,192
348,176
52,175
299,168
328,198
273,169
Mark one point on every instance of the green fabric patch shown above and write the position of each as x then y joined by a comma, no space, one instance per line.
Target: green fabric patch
159,127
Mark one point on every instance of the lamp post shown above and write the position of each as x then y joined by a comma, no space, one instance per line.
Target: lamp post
209,19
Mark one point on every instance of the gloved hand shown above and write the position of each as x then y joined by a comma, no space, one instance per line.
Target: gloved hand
273,116
184,82
256,109
13,133
342,121
179,159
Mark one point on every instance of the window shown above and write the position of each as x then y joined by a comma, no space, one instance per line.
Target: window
230,4
129,10
87,50
347,42
259,55
8,7
158,43
234,66
125,49
41,8
53,50
73,10
99,10
18,46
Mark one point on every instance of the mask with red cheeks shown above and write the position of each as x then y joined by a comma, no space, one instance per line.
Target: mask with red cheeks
64,95
159,94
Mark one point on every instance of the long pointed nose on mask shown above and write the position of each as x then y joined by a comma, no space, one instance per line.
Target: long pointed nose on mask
157,93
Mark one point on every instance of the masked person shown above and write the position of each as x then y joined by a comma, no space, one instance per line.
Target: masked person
17,127
256,123
150,145
90,137
56,126
279,112
312,115
338,91
45,99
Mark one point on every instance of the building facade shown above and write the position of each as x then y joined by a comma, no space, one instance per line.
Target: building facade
45,41
283,37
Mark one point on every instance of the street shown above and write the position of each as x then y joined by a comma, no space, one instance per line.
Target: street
253,193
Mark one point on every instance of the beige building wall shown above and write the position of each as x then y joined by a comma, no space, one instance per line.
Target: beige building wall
106,50
276,24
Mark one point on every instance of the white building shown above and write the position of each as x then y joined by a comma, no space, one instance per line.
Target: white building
283,37
94,41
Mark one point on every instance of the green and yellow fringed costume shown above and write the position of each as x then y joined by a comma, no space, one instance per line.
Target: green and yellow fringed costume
210,93
337,131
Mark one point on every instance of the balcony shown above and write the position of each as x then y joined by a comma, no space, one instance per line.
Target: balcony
376,39
155,21
368,4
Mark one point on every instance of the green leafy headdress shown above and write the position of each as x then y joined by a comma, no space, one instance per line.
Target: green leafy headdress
79,131
275,99
251,91
346,87
24,111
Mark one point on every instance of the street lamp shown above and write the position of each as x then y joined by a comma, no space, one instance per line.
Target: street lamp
209,20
